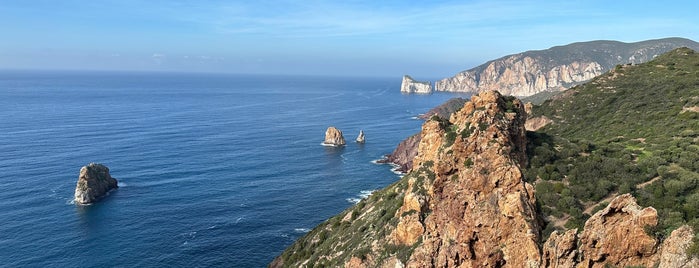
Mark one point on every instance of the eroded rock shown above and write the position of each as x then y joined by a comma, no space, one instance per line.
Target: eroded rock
94,182
333,137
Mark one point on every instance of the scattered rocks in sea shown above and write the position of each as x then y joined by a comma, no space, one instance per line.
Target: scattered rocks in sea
333,137
361,138
93,183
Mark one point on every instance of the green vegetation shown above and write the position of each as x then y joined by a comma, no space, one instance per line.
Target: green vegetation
632,130
372,219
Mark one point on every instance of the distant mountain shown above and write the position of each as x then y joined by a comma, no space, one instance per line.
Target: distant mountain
556,68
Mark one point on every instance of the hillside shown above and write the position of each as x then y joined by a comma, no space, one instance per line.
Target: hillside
556,68
612,181
633,130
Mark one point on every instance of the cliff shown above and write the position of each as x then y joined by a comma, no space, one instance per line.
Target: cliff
466,203
410,85
94,182
445,109
556,68
403,154
333,137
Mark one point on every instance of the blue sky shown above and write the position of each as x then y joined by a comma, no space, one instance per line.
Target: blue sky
429,39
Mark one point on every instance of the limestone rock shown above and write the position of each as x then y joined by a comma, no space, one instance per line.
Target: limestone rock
93,183
361,138
556,68
410,85
333,137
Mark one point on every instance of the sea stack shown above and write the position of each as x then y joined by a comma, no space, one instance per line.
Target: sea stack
410,85
333,137
360,138
93,183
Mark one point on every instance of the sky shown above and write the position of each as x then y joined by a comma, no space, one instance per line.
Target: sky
427,39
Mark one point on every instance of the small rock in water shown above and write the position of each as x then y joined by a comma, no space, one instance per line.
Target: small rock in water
360,138
93,183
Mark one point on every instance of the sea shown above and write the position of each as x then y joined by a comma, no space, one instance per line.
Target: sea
214,170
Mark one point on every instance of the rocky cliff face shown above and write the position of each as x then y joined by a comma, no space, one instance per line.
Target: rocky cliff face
410,85
617,236
557,68
333,137
93,183
465,203
404,153
481,212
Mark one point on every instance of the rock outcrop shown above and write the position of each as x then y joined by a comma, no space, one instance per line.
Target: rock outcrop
482,213
465,203
333,137
557,68
361,138
616,236
410,85
93,183
404,153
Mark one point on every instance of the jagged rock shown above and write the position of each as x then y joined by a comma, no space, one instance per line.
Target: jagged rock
673,252
561,249
404,153
93,183
465,204
410,85
333,137
482,211
616,237
361,138
557,68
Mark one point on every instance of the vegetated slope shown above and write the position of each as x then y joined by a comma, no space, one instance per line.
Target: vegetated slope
633,130
556,68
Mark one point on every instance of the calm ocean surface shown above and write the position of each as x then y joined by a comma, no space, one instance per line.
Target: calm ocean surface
214,170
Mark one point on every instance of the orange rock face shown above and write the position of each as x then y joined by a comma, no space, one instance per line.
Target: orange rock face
482,213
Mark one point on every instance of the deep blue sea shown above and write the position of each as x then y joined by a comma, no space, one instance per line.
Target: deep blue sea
214,170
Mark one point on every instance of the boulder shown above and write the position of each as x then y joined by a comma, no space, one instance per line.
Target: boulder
361,138
333,137
93,183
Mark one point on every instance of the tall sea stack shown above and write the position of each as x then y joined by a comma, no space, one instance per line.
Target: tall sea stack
93,183
333,137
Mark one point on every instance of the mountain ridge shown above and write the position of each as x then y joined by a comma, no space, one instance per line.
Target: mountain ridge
556,68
